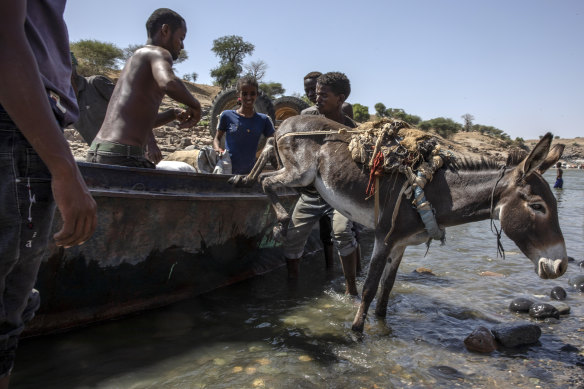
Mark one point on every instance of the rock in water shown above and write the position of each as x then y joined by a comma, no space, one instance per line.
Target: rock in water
543,311
563,308
577,283
520,305
516,335
558,293
480,340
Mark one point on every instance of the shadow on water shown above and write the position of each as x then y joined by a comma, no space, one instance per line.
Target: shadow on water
250,312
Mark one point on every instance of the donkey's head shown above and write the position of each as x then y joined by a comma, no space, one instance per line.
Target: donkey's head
528,211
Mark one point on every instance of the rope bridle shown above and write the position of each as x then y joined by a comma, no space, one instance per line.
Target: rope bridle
497,232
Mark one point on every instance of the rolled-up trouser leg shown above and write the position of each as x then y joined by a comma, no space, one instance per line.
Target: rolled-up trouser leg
308,210
343,235
349,263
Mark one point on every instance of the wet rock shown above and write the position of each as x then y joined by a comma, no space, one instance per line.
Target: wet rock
571,259
491,274
520,305
577,283
516,335
562,308
185,142
568,348
446,372
543,311
424,270
480,340
558,293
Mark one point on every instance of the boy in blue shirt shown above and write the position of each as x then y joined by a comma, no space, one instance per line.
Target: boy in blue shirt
243,128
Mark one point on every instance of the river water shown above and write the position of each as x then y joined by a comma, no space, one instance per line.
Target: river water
269,333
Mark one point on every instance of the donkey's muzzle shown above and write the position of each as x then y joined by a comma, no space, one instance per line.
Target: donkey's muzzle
551,268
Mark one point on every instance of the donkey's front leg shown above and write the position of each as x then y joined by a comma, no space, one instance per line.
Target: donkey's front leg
280,230
388,279
286,179
376,266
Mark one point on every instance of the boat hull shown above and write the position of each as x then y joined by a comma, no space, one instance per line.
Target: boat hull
161,237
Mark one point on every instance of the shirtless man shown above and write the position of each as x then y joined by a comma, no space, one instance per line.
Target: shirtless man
126,132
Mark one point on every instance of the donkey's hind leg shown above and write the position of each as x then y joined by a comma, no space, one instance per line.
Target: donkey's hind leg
378,260
388,279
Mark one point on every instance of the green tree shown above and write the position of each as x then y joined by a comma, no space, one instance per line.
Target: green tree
272,89
192,77
444,127
468,118
380,110
361,112
256,69
231,50
400,114
95,57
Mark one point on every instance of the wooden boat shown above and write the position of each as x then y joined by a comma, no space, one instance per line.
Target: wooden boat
162,236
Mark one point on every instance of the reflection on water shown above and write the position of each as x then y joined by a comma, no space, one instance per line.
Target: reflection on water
269,333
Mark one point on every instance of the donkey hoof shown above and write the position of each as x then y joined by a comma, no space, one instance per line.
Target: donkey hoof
358,326
279,232
240,181
235,180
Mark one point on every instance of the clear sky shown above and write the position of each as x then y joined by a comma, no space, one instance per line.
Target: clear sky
517,65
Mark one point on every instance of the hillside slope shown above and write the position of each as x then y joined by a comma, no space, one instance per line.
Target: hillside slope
170,138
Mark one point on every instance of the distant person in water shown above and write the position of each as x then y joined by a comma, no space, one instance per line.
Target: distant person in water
126,137
559,180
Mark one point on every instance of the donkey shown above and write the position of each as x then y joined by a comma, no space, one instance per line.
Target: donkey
314,152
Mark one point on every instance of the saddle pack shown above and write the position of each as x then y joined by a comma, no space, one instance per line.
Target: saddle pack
391,146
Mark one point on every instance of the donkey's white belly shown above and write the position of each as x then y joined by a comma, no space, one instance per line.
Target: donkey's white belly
345,205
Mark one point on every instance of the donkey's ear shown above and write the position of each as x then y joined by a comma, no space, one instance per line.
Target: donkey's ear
536,157
553,156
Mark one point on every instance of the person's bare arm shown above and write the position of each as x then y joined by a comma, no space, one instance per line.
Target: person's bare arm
174,88
153,152
217,141
167,116
23,96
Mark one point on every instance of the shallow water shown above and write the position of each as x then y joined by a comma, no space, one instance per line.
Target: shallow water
269,333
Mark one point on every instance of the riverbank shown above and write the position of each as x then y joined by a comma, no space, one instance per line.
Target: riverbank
170,138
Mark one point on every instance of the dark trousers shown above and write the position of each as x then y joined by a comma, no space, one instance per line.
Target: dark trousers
26,214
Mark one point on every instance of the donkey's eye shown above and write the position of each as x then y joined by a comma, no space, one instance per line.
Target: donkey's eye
537,207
